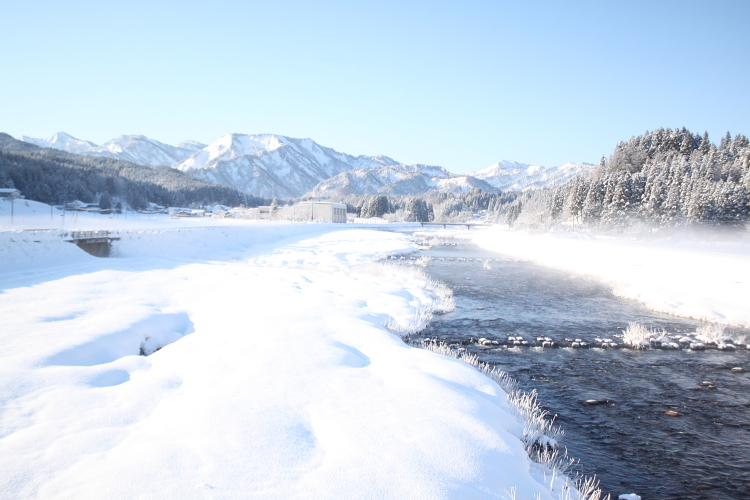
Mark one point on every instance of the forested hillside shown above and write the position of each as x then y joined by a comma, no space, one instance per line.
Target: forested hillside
53,176
666,177
433,206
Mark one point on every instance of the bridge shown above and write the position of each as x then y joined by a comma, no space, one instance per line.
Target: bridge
468,225
97,243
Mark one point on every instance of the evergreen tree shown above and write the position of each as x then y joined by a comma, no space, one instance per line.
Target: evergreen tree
514,211
380,206
666,177
105,201
705,143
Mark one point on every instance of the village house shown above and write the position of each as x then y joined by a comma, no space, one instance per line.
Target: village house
10,193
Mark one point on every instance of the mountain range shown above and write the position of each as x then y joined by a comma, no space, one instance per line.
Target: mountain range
55,176
273,165
513,176
397,180
137,149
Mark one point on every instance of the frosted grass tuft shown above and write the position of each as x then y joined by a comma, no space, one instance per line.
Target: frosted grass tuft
638,336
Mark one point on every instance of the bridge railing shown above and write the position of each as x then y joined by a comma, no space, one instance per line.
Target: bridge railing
83,235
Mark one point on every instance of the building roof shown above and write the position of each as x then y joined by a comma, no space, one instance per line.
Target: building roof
329,203
10,193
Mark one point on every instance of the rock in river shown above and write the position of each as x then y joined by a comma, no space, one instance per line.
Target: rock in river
595,402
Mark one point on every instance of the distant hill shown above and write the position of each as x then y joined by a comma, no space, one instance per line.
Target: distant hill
55,176
513,176
397,180
133,148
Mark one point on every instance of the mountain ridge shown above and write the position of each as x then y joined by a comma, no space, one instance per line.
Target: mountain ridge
397,180
137,149
274,165
509,175
271,164
53,176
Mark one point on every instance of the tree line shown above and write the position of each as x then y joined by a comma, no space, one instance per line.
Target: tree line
446,207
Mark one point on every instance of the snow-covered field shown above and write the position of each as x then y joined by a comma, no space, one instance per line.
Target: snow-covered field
276,377
695,278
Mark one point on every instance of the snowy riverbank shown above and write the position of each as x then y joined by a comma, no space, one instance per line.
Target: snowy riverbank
701,279
277,378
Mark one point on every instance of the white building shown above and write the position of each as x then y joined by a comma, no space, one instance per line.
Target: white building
263,212
324,211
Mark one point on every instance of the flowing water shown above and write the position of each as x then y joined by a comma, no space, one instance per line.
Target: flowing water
629,443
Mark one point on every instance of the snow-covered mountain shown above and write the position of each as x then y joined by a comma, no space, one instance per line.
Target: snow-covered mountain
397,180
61,141
192,145
273,165
513,176
134,148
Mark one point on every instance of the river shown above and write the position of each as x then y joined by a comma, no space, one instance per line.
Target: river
631,444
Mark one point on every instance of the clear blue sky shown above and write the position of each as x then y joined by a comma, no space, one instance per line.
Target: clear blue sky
456,84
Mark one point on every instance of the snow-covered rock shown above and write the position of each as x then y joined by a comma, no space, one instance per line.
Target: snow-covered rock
398,180
513,176
272,165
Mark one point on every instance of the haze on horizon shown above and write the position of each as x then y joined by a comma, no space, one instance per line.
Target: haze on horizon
460,86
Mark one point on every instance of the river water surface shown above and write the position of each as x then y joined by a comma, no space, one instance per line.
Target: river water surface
630,444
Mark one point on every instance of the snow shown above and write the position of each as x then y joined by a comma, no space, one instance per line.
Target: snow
279,166
134,148
192,145
271,165
261,164
513,176
703,279
229,147
275,376
396,179
62,141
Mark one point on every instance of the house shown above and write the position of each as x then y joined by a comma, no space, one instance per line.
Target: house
10,193
263,212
